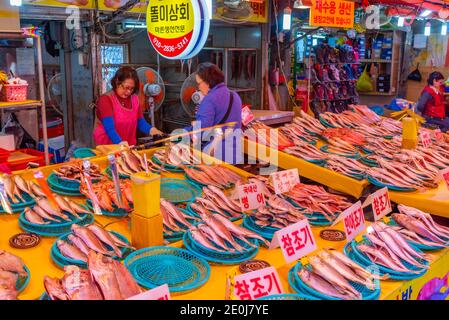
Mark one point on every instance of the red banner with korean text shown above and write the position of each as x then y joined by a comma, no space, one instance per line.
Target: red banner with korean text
332,13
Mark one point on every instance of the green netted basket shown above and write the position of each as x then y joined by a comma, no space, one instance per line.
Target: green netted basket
63,261
177,190
180,269
19,207
22,282
54,229
82,153
118,212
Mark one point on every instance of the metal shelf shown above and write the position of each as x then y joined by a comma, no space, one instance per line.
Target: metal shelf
28,104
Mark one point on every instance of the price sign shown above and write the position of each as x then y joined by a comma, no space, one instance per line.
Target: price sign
438,134
159,293
284,181
444,175
247,116
295,241
335,13
256,284
425,138
380,201
251,196
353,220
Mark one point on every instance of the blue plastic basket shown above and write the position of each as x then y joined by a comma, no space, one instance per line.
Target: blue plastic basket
118,212
54,229
366,293
44,296
286,296
315,219
82,153
65,193
177,236
216,257
325,123
63,261
19,207
361,257
177,190
294,287
389,186
266,232
22,282
190,209
180,269
63,184
108,172
369,162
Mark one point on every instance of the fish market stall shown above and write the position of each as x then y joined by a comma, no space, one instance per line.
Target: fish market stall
45,261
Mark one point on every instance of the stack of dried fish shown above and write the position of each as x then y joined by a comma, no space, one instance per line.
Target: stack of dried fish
315,199
129,162
347,135
435,155
74,171
366,112
11,268
390,249
340,146
332,273
277,213
297,132
91,237
44,212
347,166
306,151
263,134
16,186
219,234
107,196
309,123
176,155
174,220
419,227
398,174
105,279
214,175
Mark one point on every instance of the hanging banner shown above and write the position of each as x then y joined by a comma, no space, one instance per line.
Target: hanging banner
256,12
335,13
112,5
82,4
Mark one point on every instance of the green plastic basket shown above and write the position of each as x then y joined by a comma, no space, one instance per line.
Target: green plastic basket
82,153
177,190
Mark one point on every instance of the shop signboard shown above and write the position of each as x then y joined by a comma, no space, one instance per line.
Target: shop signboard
257,284
82,4
332,13
296,241
177,29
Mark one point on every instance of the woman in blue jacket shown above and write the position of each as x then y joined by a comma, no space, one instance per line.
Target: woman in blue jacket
219,106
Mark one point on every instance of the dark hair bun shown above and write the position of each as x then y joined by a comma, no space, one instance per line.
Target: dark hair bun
210,73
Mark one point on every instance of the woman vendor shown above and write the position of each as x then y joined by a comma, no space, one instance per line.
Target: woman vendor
431,104
219,106
119,114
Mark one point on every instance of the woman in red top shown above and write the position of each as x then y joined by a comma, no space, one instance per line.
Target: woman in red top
431,104
118,112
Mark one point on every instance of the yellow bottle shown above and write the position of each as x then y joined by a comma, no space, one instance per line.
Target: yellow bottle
409,133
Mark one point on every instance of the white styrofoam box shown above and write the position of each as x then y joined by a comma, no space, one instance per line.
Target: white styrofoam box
7,142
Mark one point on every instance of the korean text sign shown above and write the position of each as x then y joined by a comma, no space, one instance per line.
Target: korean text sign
332,13
256,284
251,196
353,220
284,181
380,202
295,241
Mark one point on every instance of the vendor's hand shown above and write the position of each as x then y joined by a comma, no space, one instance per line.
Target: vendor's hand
154,131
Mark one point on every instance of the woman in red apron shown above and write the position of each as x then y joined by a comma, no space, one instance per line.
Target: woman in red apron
118,112
431,104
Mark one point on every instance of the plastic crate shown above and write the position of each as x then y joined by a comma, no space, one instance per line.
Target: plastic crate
35,156
55,147
14,92
4,155
53,132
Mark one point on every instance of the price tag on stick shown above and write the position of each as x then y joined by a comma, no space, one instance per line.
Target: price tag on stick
115,178
256,284
296,241
425,138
